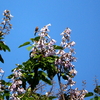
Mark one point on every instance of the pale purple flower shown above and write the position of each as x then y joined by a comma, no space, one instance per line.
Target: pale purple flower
48,36
61,52
48,25
62,33
19,82
68,30
14,85
45,28
46,93
1,71
70,81
73,71
62,43
21,89
72,43
11,16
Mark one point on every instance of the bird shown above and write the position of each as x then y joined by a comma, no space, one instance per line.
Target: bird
36,30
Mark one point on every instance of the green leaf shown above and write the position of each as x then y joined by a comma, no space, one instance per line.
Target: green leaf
29,48
97,89
1,59
35,39
10,76
95,98
89,94
24,44
52,97
58,47
32,74
64,76
46,80
42,73
4,47
1,38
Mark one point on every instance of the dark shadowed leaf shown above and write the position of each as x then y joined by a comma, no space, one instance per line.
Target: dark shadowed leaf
95,98
46,80
89,94
10,76
24,44
1,38
4,47
1,59
52,97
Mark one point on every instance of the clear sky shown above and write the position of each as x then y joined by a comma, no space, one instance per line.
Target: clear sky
82,16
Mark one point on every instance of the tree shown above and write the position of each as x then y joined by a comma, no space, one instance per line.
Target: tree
46,61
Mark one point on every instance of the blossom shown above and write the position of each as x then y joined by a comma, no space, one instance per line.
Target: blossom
67,31
70,81
19,82
46,93
21,89
62,33
72,43
52,41
1,71
61,52
73,71
45,28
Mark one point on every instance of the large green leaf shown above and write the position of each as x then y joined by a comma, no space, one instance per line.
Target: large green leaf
46,80
1,59
4,47
89,94
24,44
10,76
35,39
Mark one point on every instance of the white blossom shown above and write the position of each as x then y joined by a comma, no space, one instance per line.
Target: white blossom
1,71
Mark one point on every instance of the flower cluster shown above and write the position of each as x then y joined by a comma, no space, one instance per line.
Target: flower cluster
45,43
76,94
5,27
16,85
65,59
5,24
1,76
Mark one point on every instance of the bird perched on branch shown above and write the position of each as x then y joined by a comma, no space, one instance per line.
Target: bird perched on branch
36,30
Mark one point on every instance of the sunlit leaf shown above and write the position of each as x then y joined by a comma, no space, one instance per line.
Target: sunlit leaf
35,39
32,74
57,47
29,48
24,44
42,73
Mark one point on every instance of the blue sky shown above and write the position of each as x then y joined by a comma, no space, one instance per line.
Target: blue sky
82,16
